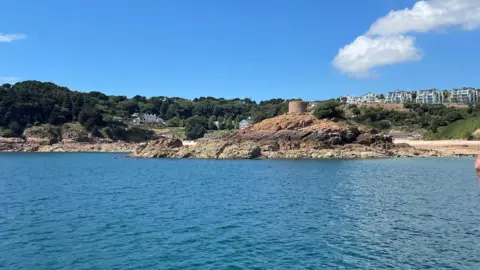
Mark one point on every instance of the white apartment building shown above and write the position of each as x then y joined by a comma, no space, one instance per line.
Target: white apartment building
350,99
431,96
369,98
466,95
399,96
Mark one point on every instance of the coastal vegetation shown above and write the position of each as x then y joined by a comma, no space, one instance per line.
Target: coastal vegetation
434,120
463,129
41,104
34,103
328,109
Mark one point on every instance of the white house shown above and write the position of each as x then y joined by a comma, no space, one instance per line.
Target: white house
399,96
313,104
350,99
245,123
146,118
464,96
431,96
369,97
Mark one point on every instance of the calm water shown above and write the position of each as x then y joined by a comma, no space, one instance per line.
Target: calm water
89,211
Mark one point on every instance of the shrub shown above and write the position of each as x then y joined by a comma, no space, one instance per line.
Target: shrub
195,127
16,128
7,133
453,116
356,111
173,122
328,109
384,124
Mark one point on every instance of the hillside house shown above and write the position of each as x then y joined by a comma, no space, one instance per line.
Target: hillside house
245,123
146,118
431,96
369,97
464,96
313,104
350,100
399,96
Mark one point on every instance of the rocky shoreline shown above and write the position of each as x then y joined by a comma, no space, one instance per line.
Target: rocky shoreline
164,148
21,145
224,149
289,137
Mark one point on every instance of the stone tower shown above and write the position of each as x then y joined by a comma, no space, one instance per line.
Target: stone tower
297,107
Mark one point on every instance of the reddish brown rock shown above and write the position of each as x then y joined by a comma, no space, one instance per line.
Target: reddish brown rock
288,136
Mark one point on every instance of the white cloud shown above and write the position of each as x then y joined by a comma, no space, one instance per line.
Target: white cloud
10,80
425,16
365,53
385,42
9,38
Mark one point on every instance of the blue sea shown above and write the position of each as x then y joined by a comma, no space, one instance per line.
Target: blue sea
93,211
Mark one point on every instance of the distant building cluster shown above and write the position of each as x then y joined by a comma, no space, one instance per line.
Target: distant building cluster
466,95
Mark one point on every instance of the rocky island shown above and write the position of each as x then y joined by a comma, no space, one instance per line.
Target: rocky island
288,136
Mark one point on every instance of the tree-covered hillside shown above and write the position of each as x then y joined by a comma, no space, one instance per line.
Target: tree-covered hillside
34,103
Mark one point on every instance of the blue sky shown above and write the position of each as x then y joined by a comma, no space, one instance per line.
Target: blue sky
258,49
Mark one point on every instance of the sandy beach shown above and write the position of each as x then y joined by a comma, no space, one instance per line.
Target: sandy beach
459,147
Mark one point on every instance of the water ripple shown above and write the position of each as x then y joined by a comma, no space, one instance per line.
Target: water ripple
89,211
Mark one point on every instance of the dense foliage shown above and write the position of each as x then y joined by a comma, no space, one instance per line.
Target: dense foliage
461,129
414,116
195,127
34,103
328,109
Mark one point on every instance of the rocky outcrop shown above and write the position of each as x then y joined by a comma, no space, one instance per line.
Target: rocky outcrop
288,136
160,148
241,150
15,145
42,135
69,138
74,133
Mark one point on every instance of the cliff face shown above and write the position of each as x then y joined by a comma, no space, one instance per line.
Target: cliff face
287,136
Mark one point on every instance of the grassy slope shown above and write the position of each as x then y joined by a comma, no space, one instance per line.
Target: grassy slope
461,129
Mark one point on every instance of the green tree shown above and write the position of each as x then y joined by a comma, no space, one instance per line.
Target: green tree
470,109
211,122
173,122
446,94
16,129
356,111
229,123
221,123
328,109
195,127
236,122
384,124
453,116
91,118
